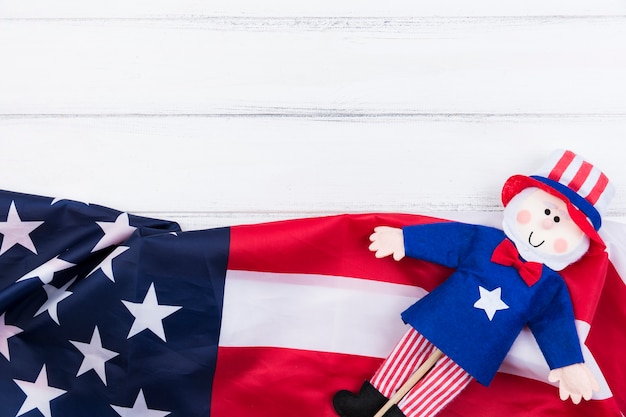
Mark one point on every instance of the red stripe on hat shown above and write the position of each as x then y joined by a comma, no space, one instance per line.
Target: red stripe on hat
561,166
581,176
598,189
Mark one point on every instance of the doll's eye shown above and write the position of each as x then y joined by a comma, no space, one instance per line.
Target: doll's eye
547,211
557,219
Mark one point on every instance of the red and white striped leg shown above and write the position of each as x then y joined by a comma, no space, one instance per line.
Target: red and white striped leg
432,393
409,353
438,387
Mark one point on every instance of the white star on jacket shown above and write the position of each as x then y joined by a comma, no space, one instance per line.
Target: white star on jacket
6,332
55,296
114,232
149,314
95,356
17,232
490,301
139,409
38,394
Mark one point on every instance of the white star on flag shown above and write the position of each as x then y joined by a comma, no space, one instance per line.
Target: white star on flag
38,394
490,301
17,232
139,409
95,356
55,296
114,232
46,271
6,332
149,314
107,264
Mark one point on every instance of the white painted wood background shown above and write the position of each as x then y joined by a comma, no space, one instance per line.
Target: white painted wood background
231,111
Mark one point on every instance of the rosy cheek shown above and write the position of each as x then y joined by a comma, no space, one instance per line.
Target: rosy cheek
560,245
523,216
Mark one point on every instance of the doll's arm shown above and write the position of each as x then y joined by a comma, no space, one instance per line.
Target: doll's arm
387,241
575,381
444,243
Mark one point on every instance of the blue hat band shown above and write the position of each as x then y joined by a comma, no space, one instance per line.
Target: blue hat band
576,199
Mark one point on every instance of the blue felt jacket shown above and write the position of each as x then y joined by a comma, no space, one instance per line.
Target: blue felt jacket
448,318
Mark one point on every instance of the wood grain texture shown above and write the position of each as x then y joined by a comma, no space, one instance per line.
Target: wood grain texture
223,66
217,113
285,166
185,8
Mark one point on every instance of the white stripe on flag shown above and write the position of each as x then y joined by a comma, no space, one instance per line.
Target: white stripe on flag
346,315
314,312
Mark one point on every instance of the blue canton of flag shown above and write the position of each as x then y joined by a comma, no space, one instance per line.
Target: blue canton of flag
104,313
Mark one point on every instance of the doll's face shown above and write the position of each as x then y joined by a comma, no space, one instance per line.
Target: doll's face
543,222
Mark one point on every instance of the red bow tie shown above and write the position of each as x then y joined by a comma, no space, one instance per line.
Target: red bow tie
506,254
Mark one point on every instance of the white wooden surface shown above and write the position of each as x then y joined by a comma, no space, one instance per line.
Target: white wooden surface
231,111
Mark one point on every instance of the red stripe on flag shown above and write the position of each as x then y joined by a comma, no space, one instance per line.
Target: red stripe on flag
271,382
598,189
509,395
561,165
581,176
336,245
607,337
585,280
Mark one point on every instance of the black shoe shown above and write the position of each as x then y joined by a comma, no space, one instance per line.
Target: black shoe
365,404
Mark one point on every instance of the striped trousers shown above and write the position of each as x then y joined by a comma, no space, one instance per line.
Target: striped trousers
436,389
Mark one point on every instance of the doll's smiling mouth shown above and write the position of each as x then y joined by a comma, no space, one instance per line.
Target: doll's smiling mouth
531,243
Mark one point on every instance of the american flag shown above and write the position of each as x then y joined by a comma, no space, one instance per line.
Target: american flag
103,313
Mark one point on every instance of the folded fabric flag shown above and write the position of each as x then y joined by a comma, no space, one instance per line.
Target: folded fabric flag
104,313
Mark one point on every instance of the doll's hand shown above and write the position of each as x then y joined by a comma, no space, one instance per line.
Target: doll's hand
575,381
387,241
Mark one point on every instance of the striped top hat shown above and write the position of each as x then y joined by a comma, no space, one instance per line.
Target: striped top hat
585,189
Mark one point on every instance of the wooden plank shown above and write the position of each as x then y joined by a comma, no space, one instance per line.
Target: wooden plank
186,8
288,167
314,66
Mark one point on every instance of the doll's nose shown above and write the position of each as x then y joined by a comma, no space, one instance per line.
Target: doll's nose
547,223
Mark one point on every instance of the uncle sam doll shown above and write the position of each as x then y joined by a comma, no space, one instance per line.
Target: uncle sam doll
503,280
